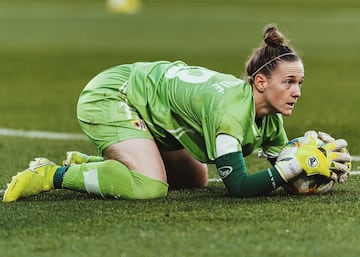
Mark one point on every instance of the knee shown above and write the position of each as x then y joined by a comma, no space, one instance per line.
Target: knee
188,178
116,180
202,180
148,188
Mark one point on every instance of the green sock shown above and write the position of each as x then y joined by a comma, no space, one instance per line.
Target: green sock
112,179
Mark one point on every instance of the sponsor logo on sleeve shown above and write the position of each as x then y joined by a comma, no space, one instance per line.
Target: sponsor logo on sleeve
224,171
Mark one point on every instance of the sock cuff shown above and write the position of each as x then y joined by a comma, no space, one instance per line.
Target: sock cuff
59,176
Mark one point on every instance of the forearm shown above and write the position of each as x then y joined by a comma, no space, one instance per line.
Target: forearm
232,170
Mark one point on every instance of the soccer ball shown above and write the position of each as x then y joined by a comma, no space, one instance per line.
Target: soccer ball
308,185
303,184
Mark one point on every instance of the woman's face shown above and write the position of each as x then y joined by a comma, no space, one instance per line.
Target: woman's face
283,88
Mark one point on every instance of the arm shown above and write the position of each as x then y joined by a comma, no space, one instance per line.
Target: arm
307,157
231,167
232,170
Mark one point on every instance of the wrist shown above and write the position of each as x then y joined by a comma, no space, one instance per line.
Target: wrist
288,169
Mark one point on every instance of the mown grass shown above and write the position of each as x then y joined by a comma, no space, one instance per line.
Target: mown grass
49,50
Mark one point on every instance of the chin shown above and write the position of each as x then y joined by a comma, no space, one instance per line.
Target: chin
286,113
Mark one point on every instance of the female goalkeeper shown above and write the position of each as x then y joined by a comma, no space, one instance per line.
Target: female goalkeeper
159,124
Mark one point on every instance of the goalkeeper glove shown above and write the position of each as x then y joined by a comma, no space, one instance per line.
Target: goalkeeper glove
78,158
342,159
307,157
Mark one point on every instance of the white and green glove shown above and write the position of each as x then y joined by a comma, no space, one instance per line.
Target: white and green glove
78,158
338,147
313,157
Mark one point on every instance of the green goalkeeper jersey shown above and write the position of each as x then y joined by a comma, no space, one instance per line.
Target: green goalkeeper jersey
189,106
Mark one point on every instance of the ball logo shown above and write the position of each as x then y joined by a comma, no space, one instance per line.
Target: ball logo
312,161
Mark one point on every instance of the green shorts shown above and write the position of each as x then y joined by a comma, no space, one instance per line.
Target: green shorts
104,113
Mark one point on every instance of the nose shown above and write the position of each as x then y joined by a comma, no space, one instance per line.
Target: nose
297,91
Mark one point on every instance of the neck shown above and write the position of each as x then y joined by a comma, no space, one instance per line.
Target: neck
261,106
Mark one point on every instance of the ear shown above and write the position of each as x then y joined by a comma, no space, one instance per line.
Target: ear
260,82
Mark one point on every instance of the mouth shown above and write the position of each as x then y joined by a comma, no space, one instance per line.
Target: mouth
291,105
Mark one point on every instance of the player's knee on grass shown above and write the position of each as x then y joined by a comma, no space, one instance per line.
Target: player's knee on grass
113,179
116,180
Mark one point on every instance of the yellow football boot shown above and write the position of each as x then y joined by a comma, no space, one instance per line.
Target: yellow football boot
32,181
79,158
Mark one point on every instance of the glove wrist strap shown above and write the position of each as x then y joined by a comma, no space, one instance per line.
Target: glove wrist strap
288,169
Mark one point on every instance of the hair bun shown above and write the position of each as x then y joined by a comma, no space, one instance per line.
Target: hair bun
273,37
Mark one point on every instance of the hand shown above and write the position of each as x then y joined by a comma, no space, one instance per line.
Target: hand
306,156
75,157
289,151
313,161
341,166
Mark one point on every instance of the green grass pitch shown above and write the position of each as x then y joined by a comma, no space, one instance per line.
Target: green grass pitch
50,49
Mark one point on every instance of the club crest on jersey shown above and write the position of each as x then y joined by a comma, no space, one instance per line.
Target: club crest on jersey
224,171
140,124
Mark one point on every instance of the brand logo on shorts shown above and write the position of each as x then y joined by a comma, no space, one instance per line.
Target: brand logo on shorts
224,171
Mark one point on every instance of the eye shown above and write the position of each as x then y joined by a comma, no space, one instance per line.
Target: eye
293,82
289,82
301,82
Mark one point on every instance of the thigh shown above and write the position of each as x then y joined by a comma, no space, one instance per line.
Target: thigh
183,170
104,113
139,154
